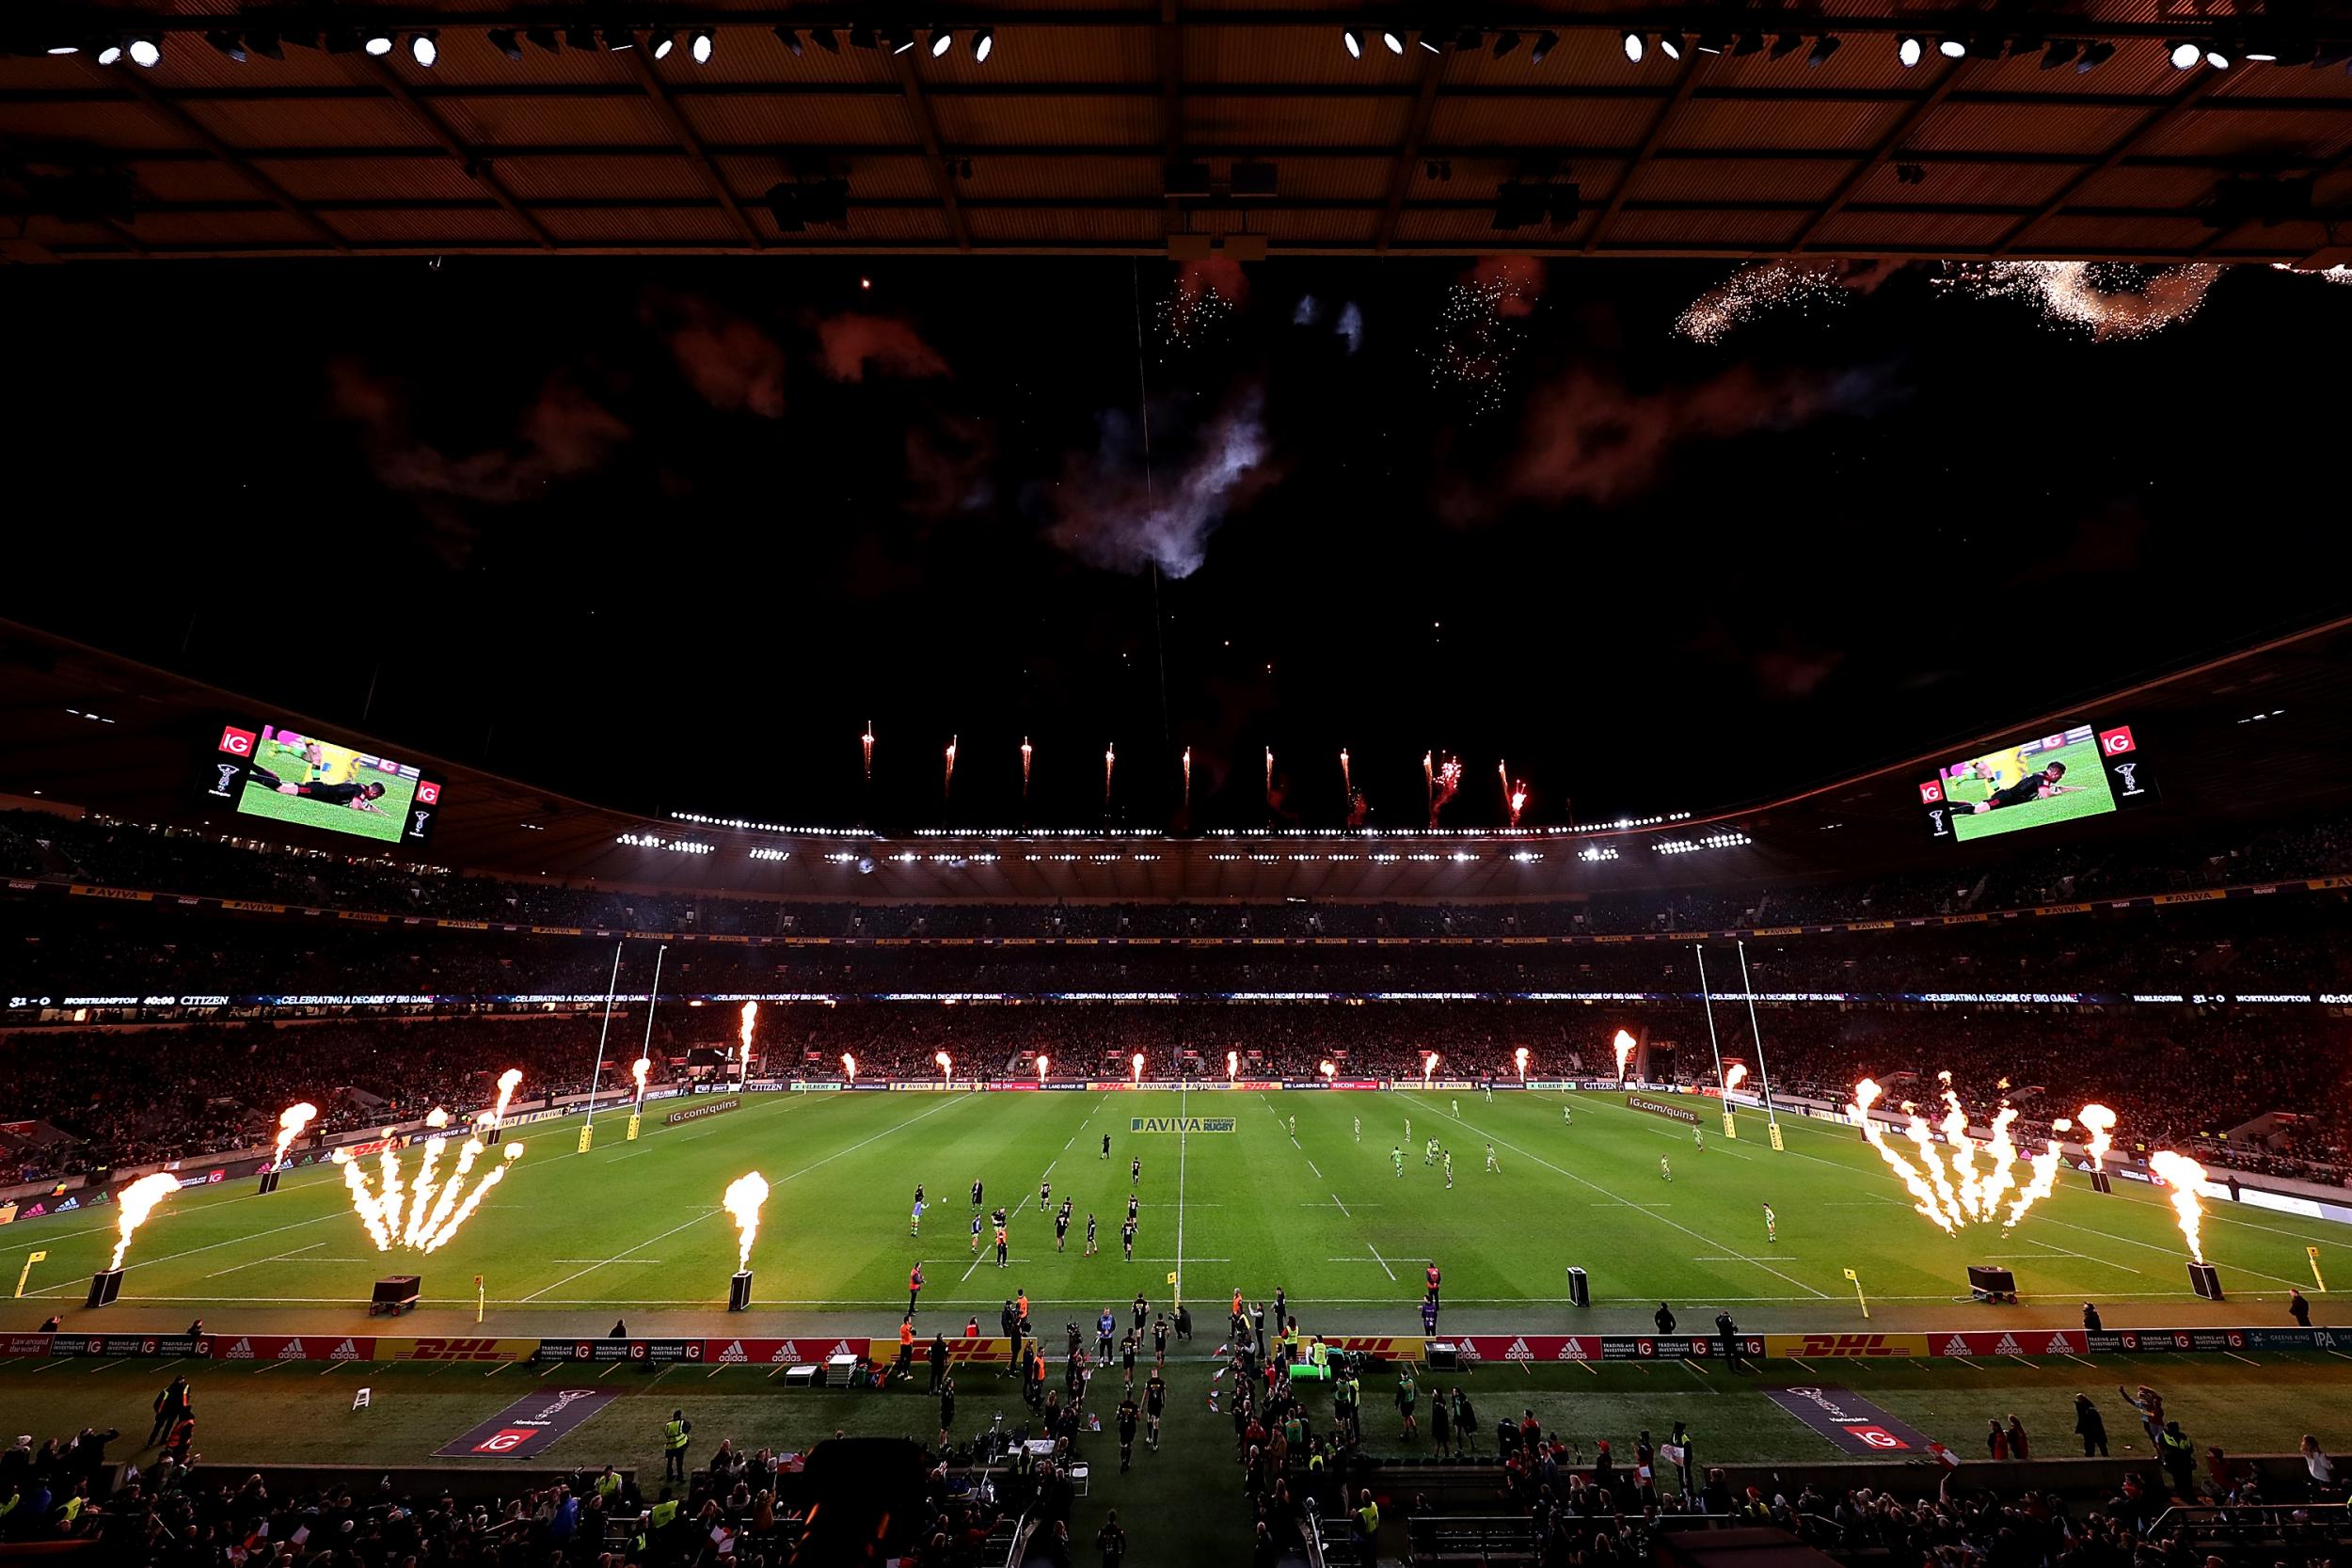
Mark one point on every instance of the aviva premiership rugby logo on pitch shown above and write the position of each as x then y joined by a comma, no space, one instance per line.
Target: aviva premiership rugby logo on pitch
1180,1124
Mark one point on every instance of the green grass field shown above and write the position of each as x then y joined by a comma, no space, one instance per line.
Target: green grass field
260,800
2083,767
569,1241
569,1238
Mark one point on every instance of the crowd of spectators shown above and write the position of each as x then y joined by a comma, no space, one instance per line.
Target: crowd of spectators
2180,1078
130,856
61,948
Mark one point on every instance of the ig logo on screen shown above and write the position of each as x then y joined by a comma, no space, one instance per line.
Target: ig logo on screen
229,771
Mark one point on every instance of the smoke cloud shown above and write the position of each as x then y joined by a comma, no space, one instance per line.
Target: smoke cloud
1104,514
729,362
1589,439
564,434
849,344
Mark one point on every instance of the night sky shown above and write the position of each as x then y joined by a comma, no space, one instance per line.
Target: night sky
665,535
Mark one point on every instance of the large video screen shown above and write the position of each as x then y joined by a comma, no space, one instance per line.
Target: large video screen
291,776
2081,771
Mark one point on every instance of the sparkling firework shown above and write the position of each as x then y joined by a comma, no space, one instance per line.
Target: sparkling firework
1025,767
2108,300
1517,799
1624,1045
1187,780
290,1121
1751,291
137,1202
1442,786
2184,1177
1479,330
947,785
744,1194
1110,760
1734,1075
865,745
1347,785
1203,304
1269,775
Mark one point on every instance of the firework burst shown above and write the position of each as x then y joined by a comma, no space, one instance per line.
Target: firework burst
1201,307
1480,330
2108,300
1752,292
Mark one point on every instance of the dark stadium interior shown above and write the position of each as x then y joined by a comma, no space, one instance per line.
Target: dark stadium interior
679,599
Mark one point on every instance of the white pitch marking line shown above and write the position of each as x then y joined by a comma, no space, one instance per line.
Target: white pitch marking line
2065,1252
1662,1219
1335,1197
622,1256
1684,1363
1382,1261
75,1284
2151,1246
1310,1165
281,1257
2235,1356
1801,1363
2072,1357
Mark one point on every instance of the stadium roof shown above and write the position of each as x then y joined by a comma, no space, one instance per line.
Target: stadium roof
2259,732
1159,128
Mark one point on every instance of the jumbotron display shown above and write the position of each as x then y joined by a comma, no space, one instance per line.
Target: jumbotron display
293,777
2081,771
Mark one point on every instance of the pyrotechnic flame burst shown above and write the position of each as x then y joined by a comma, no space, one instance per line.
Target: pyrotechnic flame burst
1519,1056
744,1196
637,1069
432,1221
946,1063
1734,1075
1429,1066
1959,1193
1327,1067
1624,1044
137,1202
2183,1176
1751,291
509,1082
849,1065
1233,1063
290,1121
2106,299
2101,1121
1134,1064
751,1014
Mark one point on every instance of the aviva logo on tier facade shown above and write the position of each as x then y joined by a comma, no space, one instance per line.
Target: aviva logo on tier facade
1181,1124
